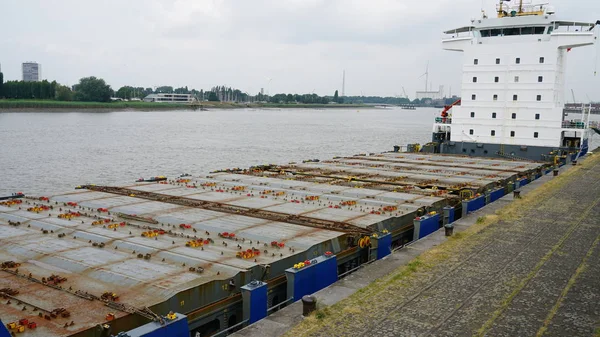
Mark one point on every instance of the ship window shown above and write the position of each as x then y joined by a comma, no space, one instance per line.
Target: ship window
515,97
485,33
540,79
516,79
496,79
518,60
471,131
493,132
537,116
493,115
550,29
514,116
511,31
475,61
512,133
464,150
539,98
472,115
496,32
535,135
542,60
539,30
495,97
474,79
497,61
526,30
473,97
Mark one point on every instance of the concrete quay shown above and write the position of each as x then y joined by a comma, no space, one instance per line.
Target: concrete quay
527,267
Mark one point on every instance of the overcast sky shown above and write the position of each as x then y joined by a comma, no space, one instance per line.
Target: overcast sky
302,45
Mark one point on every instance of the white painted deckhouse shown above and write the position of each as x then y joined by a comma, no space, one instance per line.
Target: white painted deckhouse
169,98
513,85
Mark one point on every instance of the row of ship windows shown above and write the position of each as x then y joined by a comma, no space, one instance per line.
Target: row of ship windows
517,60
514,115
516,79
515,97
512,133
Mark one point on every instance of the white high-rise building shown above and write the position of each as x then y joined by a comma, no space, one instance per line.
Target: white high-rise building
513,85
32,71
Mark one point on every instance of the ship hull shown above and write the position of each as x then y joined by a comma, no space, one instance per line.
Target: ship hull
536,153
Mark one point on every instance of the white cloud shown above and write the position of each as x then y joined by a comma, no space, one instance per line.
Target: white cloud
302,44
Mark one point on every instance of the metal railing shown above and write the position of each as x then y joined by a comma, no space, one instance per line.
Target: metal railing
443,120
222,332
277,306
342,275
573,125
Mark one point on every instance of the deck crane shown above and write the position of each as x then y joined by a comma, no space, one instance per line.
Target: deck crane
448,107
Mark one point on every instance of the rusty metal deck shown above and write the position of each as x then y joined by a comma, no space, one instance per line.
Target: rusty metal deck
306,208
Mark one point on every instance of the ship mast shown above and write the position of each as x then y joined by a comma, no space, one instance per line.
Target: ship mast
520,6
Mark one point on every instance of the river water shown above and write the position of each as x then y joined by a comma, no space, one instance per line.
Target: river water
49,152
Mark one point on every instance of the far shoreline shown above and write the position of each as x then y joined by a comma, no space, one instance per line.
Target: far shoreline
10,106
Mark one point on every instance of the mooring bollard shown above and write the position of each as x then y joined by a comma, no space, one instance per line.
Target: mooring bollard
555,172
574,162
309,304
449,228
517,194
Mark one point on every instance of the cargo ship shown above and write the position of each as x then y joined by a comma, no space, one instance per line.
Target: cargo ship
513,86
208,255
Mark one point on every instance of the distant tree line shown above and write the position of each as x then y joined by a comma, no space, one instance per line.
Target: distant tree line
92,89
377,100
89,89
29,90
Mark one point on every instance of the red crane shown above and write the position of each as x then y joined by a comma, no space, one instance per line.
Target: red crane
448,107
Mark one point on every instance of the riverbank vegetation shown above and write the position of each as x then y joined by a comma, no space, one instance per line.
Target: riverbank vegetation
44,94
54,105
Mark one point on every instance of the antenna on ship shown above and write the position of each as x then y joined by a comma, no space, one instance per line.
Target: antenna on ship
520,6
597,49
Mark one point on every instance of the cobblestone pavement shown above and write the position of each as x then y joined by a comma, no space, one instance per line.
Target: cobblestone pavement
536,274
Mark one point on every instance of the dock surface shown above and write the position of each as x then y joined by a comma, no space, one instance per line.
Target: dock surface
532,271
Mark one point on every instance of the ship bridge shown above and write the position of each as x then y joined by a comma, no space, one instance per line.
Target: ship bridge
513,85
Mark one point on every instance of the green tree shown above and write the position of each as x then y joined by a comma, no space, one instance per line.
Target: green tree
182,90
164,90
212,97
64,93
92,89
336,97
1,84
125,92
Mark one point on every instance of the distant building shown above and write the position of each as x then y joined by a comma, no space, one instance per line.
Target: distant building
32,72
170,98
431,94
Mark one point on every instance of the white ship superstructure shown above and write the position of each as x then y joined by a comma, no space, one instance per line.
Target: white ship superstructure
513,85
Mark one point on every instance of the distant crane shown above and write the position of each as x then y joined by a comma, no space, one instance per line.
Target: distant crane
573,94
344,83
268,84
405,95
426,74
